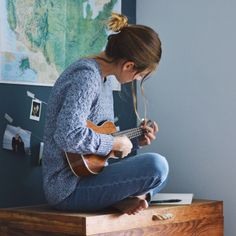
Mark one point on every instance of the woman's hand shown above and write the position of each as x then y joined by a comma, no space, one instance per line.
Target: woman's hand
123,145
149,133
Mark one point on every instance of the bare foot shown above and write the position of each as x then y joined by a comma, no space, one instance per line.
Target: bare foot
131,205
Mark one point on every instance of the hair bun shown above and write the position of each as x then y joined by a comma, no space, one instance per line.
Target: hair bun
117,22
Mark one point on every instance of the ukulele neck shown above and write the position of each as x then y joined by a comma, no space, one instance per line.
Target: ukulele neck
130,133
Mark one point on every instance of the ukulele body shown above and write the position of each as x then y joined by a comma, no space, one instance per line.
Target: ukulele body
91,164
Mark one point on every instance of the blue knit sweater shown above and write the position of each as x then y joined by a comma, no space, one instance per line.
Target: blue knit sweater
79,94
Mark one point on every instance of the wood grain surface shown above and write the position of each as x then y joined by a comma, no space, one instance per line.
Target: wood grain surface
201,218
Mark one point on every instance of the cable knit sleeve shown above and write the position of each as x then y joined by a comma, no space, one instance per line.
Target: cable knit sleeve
71,133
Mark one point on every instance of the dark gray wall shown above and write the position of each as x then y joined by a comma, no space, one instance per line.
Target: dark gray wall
21,177
193,96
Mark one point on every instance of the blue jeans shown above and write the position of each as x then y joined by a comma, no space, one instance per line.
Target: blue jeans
132,176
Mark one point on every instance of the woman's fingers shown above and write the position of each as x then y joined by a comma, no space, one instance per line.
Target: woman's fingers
155,127
149,133
150,136
150,129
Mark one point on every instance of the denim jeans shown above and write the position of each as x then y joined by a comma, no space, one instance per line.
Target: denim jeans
132,176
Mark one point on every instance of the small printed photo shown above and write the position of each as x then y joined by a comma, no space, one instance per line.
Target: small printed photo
17,140
35,110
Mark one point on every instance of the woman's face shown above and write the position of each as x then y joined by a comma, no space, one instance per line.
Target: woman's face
127,73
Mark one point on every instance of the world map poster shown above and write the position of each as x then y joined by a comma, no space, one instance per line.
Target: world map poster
40,38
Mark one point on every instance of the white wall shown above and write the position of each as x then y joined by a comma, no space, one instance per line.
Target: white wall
193,96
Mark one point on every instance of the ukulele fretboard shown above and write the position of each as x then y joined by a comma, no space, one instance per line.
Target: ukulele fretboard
132,133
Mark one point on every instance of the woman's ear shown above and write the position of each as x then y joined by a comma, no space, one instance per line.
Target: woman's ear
128,66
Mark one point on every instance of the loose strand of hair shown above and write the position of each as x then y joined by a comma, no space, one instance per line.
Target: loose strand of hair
145,100
135,101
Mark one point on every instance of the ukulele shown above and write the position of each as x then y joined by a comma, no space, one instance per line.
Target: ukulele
92,164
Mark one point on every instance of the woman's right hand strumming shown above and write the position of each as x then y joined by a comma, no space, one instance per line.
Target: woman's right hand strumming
123,145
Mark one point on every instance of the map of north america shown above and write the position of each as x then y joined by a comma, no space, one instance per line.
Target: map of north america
39,39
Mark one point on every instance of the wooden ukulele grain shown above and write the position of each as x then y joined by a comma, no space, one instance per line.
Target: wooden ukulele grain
91,164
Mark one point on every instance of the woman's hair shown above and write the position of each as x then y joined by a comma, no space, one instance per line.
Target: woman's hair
137,43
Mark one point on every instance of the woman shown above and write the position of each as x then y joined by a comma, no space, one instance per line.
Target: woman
83,92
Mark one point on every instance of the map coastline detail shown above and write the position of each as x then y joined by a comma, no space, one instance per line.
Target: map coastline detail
39,39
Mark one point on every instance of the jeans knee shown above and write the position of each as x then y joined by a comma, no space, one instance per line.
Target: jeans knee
158,165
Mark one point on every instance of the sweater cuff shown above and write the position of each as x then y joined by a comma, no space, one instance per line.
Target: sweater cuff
106,144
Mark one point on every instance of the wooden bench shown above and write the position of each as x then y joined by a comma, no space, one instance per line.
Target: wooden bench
201,218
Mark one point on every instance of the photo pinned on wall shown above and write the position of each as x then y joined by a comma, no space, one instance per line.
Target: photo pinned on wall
35,110
17,140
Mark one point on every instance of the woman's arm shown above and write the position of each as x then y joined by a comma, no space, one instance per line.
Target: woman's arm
71,133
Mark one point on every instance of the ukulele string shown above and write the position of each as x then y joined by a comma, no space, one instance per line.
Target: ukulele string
132,133
135,134
124,132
